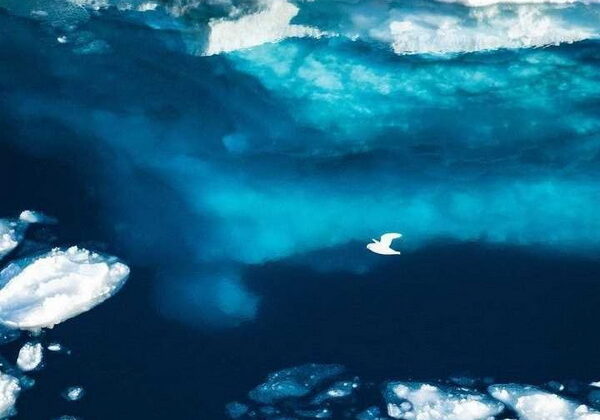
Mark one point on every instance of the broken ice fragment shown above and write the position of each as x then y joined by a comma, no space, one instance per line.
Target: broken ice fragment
339,389
73,393
30,356
54,347
532,403
9,392
430,402
293,382
30,216
49,289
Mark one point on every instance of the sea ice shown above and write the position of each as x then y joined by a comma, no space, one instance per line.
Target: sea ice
30,356
9,391
532,403
293,382
421,401
46,290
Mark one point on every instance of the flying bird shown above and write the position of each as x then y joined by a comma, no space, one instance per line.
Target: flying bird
382,246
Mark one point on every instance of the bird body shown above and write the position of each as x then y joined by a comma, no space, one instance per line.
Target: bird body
382,246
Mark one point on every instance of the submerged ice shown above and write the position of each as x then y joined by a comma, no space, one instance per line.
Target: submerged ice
43,291
310,128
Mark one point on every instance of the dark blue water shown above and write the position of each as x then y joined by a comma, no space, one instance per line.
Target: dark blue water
242,196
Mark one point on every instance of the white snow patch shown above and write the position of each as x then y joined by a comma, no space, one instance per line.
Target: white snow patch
272,24
59,285
9,392
30,356
429,402
532,403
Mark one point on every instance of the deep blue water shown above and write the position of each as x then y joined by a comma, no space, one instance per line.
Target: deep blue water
242,188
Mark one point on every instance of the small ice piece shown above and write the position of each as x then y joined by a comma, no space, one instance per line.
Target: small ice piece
431,402
9,392
293,382
596,384
532,403
236,409
73,393
30,356
339,389
54,347
49,289
30,216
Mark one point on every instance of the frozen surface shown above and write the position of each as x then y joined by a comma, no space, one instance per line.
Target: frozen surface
30,356
9,391
44,291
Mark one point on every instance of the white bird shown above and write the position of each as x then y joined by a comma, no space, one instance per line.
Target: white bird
382,246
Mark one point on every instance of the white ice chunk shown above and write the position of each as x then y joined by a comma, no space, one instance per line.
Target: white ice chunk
532,403
30,216
9,391
54,347
47,290
30,356
596,384
271,24
416,400
74,393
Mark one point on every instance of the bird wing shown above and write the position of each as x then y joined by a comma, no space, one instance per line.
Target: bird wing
387,238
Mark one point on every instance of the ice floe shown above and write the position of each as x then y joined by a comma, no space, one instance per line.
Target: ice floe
46,290
271,24
9,392
533,403
30,356
422,401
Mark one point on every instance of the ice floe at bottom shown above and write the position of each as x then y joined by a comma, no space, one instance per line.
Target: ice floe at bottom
43,291
315,391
